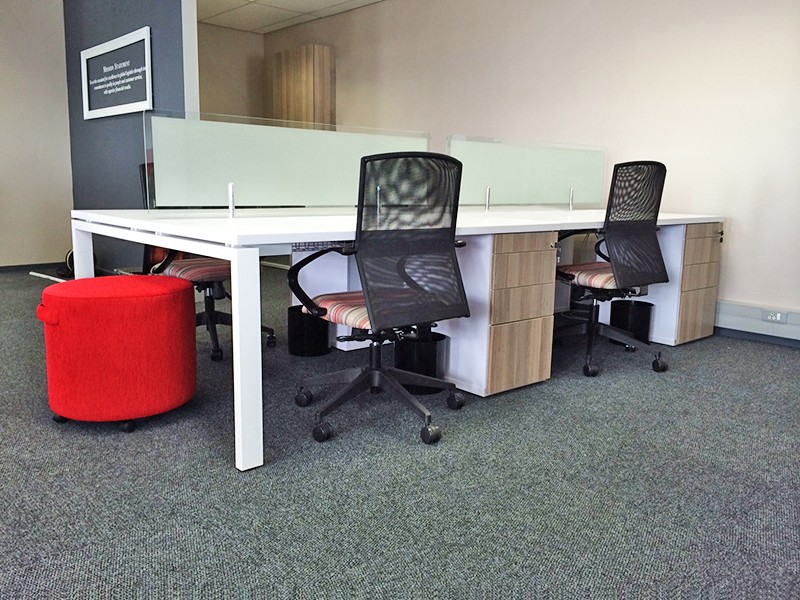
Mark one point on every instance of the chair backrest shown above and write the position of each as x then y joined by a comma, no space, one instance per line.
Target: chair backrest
405,239
630,229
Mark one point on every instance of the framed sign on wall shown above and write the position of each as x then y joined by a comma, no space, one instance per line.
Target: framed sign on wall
116,76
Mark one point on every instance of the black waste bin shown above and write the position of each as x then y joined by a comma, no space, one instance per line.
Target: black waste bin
307,335
425,356
634,317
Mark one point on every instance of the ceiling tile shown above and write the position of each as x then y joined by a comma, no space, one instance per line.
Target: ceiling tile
264,16
305,6
211,8
288,23
251,17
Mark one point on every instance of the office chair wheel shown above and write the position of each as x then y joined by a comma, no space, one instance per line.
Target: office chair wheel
322,431
375,389
127,426
430,434
303,397
659,364
590,370
629,348
59,419
272,340
216,355
455,400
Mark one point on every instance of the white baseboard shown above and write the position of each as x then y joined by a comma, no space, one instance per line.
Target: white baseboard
743,317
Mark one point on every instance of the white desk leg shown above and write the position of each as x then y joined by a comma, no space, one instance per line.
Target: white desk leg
247,392
82,253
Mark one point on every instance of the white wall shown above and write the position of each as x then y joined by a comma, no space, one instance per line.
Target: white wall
35,170
710,88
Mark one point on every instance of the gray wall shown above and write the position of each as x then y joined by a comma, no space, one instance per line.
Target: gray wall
106,152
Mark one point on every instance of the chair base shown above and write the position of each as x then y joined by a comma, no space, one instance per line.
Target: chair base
211,317
375,378
588,324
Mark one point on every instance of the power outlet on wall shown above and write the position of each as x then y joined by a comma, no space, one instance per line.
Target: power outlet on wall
774,316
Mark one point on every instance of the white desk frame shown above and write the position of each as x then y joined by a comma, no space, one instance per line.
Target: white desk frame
263,232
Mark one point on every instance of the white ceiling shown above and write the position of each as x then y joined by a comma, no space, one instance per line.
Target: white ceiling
263,16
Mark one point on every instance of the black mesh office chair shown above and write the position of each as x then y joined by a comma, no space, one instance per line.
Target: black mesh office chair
632,260
405,252
208,276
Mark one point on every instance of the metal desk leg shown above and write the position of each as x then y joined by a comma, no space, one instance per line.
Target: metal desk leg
82,252
247,392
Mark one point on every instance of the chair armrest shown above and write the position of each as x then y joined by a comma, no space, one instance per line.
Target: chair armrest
294,272
599,252
164,263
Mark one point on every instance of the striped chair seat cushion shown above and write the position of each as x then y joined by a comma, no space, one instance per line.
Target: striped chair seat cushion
199,269
596,275
345,308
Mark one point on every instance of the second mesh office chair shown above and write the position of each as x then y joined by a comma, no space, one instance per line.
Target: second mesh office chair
632,259
405,252
208,276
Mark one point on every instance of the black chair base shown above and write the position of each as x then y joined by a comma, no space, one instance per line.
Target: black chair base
211,317
375,378
586,322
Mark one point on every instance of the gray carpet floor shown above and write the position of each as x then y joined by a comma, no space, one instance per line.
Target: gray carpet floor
684,484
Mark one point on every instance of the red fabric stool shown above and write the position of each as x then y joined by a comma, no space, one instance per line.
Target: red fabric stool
119,347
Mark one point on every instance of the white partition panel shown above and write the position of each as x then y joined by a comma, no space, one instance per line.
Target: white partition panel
195,160
529,173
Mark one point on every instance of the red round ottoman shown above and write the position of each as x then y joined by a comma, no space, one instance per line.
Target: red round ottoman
120,347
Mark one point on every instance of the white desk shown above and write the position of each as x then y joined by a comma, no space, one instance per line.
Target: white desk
261,232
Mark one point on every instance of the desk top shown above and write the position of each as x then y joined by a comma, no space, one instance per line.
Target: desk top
261,227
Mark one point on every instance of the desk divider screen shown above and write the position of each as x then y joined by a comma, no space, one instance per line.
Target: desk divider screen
271,164
526,174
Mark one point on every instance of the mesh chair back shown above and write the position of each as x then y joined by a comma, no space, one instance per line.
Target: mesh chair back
630,226
405,239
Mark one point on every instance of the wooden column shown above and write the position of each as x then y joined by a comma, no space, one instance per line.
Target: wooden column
304,85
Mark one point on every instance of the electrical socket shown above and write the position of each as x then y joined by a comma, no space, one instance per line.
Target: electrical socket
774,316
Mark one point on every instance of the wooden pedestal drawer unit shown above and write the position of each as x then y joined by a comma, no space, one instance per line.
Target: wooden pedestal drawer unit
521,310
699,282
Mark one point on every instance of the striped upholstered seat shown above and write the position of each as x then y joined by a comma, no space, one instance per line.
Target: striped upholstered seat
345,308
597,275
199,269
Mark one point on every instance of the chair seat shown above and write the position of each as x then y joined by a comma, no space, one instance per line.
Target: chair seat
199,270
345,308
597,275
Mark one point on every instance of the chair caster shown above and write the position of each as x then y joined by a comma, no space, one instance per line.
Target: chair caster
272,341
60,419
629,348
659,364
455,401
303,397
322,431
430,434
375,389
127,426
216,355
590,370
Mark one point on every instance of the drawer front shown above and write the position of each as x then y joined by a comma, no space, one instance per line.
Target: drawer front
701,275
519,353
701,250
523,268
696,318
699,230
518,303
524,242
